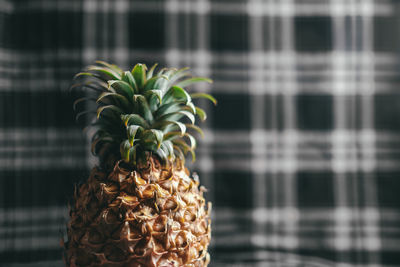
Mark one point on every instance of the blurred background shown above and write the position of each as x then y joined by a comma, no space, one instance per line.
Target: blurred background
301,156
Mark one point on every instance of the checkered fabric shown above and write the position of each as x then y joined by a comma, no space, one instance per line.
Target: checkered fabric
301,156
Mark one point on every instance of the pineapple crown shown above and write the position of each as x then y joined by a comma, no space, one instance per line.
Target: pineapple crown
142,112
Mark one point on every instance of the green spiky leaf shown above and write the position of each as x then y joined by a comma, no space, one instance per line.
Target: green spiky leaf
192,107
178,152
128,77
188,114
156,93
116,98
193,80
82,99
144,108
167,108
156,83
84,113
133,153
196,128
192,140
164,124
178,75
177,115
122,88
201,113
110,74
141,112
113,67
113,108
150,72
134,119
124,149
169,147
158,136
176,93
132,130
172,135
204,95
139,73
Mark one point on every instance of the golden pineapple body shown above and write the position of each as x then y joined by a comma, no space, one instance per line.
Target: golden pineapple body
152,216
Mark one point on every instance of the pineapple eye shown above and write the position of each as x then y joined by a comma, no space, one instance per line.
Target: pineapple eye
189,217
114,254
95,237
170,204
158,227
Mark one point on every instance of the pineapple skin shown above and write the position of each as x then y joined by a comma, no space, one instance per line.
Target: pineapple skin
153,215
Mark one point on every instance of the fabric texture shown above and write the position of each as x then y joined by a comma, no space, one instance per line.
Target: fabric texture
300,157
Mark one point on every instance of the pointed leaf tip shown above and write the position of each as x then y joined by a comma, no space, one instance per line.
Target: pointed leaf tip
201,113
139,73
159,137
204,95
193,80
150,72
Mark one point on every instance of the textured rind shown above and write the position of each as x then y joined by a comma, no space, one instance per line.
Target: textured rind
151,216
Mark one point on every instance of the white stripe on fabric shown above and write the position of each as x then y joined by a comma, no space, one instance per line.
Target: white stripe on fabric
6,6
38,143
344,68
272,153
267,8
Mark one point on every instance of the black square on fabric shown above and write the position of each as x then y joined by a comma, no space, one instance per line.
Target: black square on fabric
42,30
388,257
387,110
313,34
146,31
38,109
233,189
315,189
387,33
314,112
229,32
5,24
188,37
33,193
388,185
232,112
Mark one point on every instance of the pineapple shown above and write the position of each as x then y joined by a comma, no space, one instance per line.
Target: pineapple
140,206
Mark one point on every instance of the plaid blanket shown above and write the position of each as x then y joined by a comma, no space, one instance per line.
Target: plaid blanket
301,155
